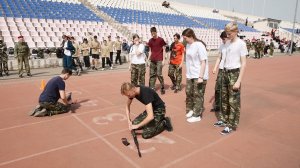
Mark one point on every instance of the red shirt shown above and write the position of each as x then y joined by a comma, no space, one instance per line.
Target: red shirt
178,49
156,46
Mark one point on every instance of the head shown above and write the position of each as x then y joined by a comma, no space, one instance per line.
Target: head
64,37
223,36
189,35
85,40
128,89
1,40
21,39
136,39
153,32
118,38
109,38
66,73
104,42
176,37
95,38
231,30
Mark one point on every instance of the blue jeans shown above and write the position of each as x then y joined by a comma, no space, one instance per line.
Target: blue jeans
68,62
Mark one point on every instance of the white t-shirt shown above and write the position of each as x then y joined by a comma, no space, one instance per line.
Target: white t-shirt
137,59
67,52
222,51
234,51
195,53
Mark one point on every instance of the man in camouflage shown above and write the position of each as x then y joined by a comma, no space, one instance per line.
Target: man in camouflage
152,121
176,61
256,48
261,47
157,59
248,44
54,90
22,53
3,58
271,48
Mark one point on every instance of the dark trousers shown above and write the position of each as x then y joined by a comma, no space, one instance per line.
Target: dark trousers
118,57
107,61
76,61
87,62
111,56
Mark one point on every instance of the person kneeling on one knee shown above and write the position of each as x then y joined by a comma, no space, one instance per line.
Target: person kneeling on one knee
152,121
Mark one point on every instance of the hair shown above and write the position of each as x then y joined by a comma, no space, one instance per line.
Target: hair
135,36
118,36
190,33
153,29
95,37
176,35
72,38
85,40
223,35
126,86
232,26
66,71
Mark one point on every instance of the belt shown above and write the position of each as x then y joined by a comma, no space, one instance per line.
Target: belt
231,70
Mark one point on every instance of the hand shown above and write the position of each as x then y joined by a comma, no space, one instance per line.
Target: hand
211,99
214,71
200,80
236,86
131,126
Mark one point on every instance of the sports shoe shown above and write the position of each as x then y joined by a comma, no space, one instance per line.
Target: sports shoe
189,114
193,119
41,113
33,111
69,96
226,131
20,76
102,69
29,74
219,124
78,72
111,67
168,124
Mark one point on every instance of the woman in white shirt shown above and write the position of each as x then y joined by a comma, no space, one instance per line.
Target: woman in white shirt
137,62
196,74
234,67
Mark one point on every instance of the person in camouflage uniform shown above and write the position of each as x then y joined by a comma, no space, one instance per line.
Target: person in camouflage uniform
261,47
271,48
176,62
22,53
137,62
157,57
234,67
3,58
152,121
54,90
249,46
256,48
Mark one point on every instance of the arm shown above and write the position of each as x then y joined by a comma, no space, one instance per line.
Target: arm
202,70
237,84
164,55
16,51
150,116
217,64
127,109
63,97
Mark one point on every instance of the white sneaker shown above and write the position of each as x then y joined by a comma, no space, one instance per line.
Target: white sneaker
102,69
111,67
193,119
189,114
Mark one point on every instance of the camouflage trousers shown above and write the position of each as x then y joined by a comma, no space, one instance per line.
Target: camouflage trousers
55,108
195,96
23,59
138,72
231,103
3,63
175,74
271,52
154,127
217,104
257,54
156,72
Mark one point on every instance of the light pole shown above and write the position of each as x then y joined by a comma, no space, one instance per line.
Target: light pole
291,45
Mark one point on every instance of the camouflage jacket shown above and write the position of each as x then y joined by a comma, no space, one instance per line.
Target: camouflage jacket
3,48
21,48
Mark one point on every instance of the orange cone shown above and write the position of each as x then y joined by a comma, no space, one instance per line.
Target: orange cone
43,85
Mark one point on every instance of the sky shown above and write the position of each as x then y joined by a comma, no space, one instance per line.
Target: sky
275,9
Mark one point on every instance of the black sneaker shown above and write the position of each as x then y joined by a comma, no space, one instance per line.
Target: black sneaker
226,131
168,124
1,75
41,113
162,91
6,74
29,74
69,96
20,76
219,124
